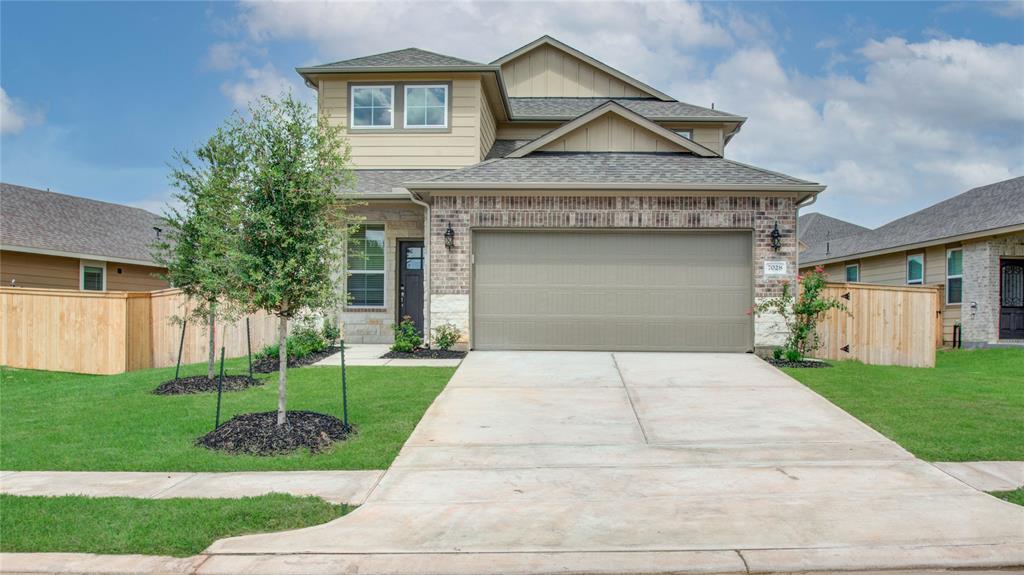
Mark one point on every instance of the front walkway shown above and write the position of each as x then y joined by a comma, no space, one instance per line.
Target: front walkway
631,462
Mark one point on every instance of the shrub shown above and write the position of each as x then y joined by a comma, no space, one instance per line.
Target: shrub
304,340
446,336
793,354
331,333
802,314
777,353
406,337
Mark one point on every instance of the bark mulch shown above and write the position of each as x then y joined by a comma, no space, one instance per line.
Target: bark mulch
259,434
805,363
425,354
270,364
202,384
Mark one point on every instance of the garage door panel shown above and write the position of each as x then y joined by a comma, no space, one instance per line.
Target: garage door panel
612,290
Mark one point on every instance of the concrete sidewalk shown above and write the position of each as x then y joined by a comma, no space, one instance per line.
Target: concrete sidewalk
987,475
350,487
369,354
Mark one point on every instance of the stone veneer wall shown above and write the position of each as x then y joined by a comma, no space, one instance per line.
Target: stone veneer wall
401,222
451,269
981,287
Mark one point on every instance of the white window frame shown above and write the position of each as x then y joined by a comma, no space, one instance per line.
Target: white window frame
405,107
92,264
906,269
352,107
383,272
847,271
960,277
687,133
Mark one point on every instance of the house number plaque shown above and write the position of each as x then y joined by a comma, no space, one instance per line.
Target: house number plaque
775,268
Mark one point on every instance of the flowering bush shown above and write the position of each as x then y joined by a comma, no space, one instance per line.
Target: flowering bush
802,314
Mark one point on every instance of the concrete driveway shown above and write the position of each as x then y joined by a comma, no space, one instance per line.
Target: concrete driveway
540,462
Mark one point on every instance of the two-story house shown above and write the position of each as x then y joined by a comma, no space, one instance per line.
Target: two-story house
549,201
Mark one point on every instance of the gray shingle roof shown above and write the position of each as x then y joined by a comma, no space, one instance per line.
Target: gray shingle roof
990,207
502,148
615,168
405,58
38,219
815,227
568,108
382,182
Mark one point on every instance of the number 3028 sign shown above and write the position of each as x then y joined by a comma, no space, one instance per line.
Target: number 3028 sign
775,268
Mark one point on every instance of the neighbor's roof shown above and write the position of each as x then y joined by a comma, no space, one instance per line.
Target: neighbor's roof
607,169
47,222
993,207
400,59
815,227
650,108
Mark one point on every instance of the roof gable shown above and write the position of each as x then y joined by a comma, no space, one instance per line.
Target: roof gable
549,68
610,122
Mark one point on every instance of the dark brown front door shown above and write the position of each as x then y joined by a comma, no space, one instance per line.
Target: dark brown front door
1011,299
410,282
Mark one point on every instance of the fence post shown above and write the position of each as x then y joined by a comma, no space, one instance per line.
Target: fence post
181,346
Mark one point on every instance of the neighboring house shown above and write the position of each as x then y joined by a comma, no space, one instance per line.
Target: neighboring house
549,201
815,228
51,240
971,244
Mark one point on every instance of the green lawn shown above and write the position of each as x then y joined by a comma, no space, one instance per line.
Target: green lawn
1015,496
71,422
120,525
969,407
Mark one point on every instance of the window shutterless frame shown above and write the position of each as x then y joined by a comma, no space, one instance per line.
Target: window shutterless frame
408,102
855,268
915,262
92,268
365,274
352,107
954,276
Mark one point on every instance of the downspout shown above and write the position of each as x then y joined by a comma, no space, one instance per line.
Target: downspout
796,226
416,199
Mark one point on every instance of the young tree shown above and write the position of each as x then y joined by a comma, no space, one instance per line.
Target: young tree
293,217
199,246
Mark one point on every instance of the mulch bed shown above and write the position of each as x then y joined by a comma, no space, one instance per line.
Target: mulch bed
202,384
425,354
259,434
805,363
270,364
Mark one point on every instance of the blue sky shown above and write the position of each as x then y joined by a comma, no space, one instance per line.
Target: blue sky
877,100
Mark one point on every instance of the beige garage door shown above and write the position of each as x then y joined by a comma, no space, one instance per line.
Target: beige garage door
609,290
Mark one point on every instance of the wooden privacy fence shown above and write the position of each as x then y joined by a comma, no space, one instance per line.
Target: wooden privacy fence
111,332
886,325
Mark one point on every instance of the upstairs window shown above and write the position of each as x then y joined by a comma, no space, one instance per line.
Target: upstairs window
853,273
954,276
92,276
365,259
426,106
688,134
373,106
915,269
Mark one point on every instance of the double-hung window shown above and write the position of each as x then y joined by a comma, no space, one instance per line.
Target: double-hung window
426,106
373,107
365,258
954,276
915,269
853,273
92,276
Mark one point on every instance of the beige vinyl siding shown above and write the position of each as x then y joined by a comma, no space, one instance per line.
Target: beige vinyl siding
711,137
488,127
531,131
57,272
612,133
397,149
134,278
548,71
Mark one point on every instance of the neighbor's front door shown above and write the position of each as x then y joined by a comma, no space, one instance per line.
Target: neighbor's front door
1011,299
410,282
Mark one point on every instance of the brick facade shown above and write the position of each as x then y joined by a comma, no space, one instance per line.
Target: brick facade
980,310
451,272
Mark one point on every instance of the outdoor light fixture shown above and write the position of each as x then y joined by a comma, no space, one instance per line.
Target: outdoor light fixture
776,237
449,237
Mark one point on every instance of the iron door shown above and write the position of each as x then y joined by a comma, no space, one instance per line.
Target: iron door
410,282
1011,299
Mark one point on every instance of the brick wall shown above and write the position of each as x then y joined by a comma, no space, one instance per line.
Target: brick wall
450,269
980,310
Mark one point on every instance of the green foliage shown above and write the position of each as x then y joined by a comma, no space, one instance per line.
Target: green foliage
406,337
445,336
331,332
777,353
304,341
801,315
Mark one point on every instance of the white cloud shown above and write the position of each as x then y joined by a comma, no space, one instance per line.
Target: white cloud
256,82
15,115
225,56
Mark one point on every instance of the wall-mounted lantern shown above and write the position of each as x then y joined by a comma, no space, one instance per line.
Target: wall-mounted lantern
449,237
776,237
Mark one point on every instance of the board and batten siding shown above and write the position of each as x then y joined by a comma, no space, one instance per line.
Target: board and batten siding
406,149
550,72
711,137
612,133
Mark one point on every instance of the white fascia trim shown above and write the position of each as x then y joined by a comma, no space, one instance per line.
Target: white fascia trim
77,255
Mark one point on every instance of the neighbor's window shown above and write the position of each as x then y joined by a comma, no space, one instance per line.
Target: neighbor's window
373,106
688,134
426,106
915,269
853,273
954,275
365,260
92,276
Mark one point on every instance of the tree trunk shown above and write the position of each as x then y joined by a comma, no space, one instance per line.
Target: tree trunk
282,356
211,363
